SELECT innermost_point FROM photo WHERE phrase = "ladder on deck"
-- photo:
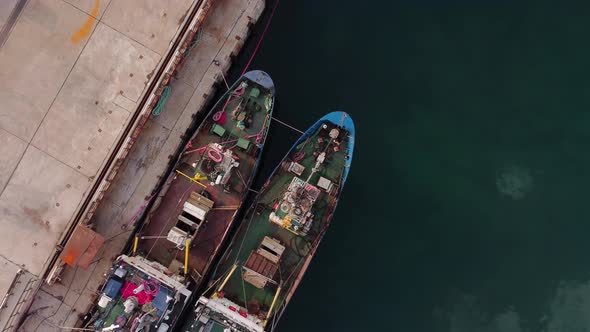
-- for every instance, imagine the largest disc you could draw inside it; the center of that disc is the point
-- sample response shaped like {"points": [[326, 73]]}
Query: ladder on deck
{"points": [[18, 306]]}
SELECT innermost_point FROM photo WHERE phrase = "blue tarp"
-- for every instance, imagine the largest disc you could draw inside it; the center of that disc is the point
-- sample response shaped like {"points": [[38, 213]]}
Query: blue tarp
{"points": [[113, 287], [160, 301]]}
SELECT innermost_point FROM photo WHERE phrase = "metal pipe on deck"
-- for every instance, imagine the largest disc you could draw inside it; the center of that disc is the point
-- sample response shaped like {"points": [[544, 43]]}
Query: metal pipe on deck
{"points": [[135, 242], [272, 306], [186, 250], [194, 179], [227, 278]]}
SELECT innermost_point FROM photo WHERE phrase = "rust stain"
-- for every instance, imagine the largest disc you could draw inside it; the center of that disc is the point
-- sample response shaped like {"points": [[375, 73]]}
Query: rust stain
{"points": [[36, 216], [86, 28]]}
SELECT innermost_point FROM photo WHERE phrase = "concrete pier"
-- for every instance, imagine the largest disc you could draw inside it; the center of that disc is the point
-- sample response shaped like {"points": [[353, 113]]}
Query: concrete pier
{"points": [[52, 156], [72, 72]]}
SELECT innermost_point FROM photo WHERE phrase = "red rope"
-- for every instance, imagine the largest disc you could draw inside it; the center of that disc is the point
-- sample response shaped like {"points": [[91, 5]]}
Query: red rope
{"points": [[261, 37]]}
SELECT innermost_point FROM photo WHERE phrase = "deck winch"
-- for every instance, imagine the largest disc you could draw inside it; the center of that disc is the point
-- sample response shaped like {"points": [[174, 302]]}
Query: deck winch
{"points": [[293, 212]]}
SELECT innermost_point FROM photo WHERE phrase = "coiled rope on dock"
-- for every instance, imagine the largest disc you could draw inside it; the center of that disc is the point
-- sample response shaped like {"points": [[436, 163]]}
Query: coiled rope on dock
{"points": [[194, 42], [162, 101]]}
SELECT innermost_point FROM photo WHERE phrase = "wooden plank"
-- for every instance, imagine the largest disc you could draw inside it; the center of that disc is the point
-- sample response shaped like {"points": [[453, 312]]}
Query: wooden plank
{"points": [[200, 200]]}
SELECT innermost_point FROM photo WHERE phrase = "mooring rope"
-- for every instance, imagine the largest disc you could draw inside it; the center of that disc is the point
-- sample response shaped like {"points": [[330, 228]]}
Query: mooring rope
{"points": [[261, 37], [162, 101]]}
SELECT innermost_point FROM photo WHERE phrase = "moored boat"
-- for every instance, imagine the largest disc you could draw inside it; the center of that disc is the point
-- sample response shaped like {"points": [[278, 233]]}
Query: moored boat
{"points": [[268, 256], [148, 289]]}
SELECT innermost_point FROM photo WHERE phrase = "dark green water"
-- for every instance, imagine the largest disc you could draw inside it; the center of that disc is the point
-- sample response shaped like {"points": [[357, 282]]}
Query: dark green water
{"points": [[466, 209]]}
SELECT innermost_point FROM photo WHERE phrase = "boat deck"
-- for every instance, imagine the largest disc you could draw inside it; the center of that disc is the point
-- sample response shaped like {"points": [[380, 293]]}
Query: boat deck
{"points": [[141, 290], [299, 246], [227, 199]]}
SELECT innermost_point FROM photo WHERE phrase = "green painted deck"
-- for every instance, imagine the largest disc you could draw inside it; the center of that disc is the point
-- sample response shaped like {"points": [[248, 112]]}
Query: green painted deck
{"points": [[242, 129], [256, 225]]}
